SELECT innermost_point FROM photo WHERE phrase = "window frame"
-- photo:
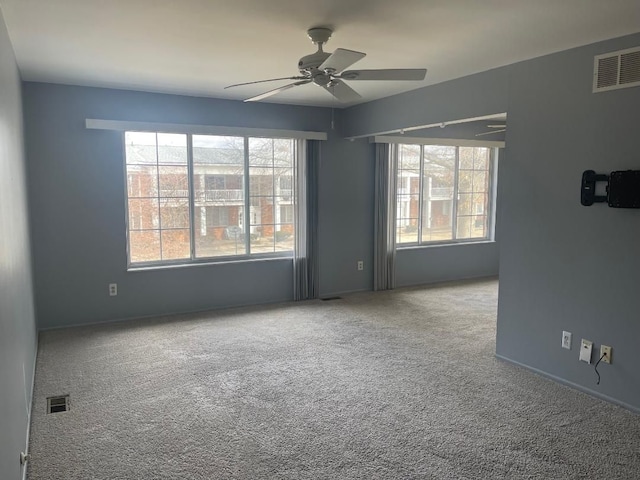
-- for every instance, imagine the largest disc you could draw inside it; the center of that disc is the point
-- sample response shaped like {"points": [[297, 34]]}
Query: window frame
{"points": [[193, 260], [491, 193]]}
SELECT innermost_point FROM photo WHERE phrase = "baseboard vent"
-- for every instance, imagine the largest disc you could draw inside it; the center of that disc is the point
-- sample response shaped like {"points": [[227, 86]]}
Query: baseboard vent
{"points": [[328, 299], [615, 70], [58, 404]]}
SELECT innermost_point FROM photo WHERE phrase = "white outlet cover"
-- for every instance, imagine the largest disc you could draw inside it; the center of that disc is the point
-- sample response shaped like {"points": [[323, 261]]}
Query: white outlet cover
{"points": [[566, 340], [585, 351]]}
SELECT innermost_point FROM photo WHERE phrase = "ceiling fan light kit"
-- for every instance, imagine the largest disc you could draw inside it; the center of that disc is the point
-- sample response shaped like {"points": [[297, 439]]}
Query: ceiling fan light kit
{"points": [[327, 70]]}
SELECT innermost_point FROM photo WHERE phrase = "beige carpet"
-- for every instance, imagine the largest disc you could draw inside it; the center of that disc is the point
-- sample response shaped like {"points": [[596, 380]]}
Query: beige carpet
{"points": [[400, 384]]}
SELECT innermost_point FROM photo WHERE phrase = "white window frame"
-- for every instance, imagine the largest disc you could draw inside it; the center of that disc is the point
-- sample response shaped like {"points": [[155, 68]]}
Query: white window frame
{"points": [[492, 188], [193, 259]]}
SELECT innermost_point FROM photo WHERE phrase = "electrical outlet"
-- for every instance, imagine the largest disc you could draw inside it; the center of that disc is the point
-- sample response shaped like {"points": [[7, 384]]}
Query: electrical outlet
{"points": [[113, 289], [605, 353], [360, 265], [566, 340], [585, 350]]}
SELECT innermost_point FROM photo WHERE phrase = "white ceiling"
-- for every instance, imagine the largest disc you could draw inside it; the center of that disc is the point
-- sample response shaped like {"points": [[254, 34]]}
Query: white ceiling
{"points": [[196, 47]]}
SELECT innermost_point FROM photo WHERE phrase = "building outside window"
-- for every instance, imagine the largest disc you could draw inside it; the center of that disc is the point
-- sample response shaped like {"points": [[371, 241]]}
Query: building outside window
{"points": [[194, 197], [444, 194]]}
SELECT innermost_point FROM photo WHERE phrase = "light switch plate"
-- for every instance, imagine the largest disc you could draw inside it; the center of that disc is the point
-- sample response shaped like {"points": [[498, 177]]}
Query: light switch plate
{"points": [[585, 350]]}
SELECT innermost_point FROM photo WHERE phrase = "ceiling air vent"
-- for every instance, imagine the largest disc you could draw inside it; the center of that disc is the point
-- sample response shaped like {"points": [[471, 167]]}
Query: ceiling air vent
{"points": [[617, 70]]}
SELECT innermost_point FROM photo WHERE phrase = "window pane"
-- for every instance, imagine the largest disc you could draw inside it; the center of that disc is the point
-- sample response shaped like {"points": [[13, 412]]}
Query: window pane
{"points": [[174, 213], [438, 183], [481, 158], [175, 244], [261, 152], [283, 150], [221, 242], [262, 238], [440, 162], [143, 214], [286, 213], [464, 228], [218, 150], [142, 181], [480, 202], [218, 183], [466, 157], [480, 183], [478, 226], [284, 237], [407, 230], [409, 157], [436, 221], [260, 181], [465, 181], [174, 182], [464, 204], [144, 246], [218, 230], [172, 149], [140, 148]]}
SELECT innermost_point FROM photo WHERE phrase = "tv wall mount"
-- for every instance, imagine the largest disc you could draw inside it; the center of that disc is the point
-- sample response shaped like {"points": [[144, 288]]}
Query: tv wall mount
{"points": [[622, 189]]}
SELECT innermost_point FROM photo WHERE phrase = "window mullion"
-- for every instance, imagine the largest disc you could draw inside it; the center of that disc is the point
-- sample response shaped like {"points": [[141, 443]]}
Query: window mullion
{"points": [[454, 203], [247, 201], [273, 191], [420, 194], [192, 203], [158, 197]]}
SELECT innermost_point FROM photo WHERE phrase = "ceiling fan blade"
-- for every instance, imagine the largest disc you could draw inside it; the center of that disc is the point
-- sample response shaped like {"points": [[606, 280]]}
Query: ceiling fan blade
{"points": [[385, 74], [263, 81], [277, 90], [496, 126], [341, 59], [342, 92], [490, 133]]}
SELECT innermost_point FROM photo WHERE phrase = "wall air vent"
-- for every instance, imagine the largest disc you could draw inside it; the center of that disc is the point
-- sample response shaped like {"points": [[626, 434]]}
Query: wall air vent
{"points": [[616, 70]]}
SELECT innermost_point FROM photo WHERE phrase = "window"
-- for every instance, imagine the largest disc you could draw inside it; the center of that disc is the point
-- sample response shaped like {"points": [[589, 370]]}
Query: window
{"points": [[444, 194], [286, 213], [198, 197]]}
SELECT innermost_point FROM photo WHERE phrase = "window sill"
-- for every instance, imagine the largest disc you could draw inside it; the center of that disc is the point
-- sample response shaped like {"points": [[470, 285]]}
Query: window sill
{"points": [[444, 244], [208, 263]]}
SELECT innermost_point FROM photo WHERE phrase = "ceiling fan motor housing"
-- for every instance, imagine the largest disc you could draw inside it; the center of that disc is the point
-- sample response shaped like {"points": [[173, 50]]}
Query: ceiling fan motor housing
{"points": [[309, 63]]}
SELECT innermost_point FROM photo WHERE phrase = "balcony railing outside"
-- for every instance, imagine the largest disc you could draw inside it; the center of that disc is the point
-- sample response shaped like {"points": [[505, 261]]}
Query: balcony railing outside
{"points": [[441, 192]]}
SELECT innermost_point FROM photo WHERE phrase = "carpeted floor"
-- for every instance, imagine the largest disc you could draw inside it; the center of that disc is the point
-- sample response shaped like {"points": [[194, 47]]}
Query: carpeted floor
{"points": [[400, 384]]}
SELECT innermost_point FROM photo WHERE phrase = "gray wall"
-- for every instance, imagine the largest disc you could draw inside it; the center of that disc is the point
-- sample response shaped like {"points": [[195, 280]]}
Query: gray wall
{"points": [[564, 266], [468, 97], [17, 324], [416, 266], [78, 210], [345, 223]]}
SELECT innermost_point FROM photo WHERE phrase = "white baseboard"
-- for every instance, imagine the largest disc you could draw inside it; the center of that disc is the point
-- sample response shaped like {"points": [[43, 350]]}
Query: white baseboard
{"points": [[30, 408], [576, 386]]}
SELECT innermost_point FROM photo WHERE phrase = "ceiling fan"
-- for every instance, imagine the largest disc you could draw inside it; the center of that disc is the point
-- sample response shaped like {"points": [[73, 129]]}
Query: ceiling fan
{"points": [[498, 129], [327, 70]]}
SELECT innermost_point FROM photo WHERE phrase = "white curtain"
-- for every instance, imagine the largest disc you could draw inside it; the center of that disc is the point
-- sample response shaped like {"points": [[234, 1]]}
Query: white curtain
{"points": [[384, 244], [305, 254]]}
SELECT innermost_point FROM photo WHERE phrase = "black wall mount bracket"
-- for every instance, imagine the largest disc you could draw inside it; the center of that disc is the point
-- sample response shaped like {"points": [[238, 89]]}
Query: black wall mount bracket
{"points": [[588, 192], [622, 188]]}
